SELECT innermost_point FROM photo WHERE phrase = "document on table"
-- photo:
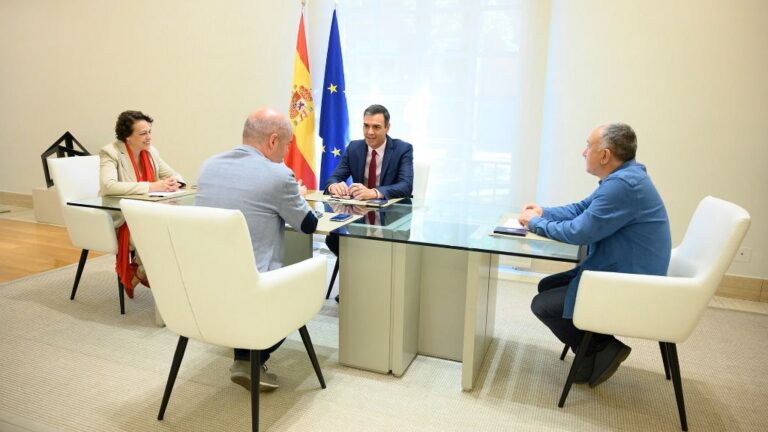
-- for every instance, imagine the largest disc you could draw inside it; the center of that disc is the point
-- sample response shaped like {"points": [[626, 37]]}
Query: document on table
{"points": [[511, 227], [167, 194], [510, 222], [325, 225], [159, 196], [319, 196]]}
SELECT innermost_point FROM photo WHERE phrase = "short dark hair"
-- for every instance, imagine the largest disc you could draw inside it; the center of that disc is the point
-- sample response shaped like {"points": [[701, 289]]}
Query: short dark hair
{"points": [[377, 109], [125, 121], [620, 138]]}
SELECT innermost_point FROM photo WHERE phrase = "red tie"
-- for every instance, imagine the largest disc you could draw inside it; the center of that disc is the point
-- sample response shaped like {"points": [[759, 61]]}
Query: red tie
{"points": [[372, 183], [372, 171]]}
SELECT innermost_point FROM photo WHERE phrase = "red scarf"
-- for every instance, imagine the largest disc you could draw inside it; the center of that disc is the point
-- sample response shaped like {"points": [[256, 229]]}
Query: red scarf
{"points": [[125, 268]]}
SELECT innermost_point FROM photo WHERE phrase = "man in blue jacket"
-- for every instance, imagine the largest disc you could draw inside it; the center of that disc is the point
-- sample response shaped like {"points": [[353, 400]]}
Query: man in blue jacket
{"points": [[380, 166], [625, 225]]}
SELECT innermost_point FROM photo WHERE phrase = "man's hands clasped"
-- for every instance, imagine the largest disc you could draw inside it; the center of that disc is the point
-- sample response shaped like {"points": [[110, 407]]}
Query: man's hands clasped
{"points": [[355, 190], [529, 211]]}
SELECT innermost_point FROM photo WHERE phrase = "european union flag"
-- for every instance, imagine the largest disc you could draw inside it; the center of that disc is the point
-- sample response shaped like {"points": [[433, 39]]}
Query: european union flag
{"points": [[334, 117]]}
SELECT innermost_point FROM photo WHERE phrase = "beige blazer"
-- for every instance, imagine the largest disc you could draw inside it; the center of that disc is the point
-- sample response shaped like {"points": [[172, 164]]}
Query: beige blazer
{"points": [[118, 176]]}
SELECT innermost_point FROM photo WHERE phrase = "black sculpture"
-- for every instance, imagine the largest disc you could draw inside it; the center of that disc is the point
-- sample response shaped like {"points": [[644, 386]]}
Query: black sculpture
{"points": [[63, 147]]}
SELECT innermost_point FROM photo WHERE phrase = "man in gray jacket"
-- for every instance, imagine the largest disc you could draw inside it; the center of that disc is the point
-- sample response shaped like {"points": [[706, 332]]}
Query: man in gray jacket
{"points": [[252, 178]]}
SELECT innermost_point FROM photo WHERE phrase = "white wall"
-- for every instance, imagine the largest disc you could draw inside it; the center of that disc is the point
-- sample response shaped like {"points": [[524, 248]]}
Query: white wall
{"points": [[197, 67], [690, 77]]}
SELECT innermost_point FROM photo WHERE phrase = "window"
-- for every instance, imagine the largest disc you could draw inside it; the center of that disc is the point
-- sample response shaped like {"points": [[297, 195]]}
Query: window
{"points": [[455, 78]]}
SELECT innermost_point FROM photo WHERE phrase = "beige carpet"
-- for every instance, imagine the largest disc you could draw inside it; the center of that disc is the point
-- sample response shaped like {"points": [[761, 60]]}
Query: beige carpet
{"points": [[80, 366]]}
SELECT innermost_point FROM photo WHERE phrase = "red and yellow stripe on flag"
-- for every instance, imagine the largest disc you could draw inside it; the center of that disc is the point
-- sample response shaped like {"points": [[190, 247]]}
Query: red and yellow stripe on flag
{"points": [[301, 153]]}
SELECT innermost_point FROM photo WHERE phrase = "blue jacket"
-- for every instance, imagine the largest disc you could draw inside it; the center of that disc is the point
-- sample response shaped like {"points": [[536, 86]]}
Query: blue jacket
{"points": [[624, 222], [396, 169]]}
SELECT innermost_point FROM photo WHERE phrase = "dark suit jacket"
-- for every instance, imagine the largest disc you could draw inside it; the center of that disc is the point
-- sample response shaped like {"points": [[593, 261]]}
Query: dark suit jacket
{"points": [[396, 169]]}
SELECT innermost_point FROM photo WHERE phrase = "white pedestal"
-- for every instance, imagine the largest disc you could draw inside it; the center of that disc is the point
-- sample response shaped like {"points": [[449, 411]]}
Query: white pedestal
{"points": [[47, 206], [415, 300]]}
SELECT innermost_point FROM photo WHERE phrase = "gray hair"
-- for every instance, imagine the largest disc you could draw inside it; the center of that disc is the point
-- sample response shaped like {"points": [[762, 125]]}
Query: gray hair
{"points": [[621, 140], [258, 128]]}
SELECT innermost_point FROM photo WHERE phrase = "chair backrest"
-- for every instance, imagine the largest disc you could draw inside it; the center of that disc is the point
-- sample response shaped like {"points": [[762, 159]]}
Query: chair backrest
{"points": [[666, 308], [421, 170], [205, 281], [78, 178], [75, 177], [710, 244]]}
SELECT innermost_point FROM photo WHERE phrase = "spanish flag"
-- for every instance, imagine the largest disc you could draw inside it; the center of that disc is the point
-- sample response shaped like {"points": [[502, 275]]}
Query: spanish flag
{"points": [[301, 153]]}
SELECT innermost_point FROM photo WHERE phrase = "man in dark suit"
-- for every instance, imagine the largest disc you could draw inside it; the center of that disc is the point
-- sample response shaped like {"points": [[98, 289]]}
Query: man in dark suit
{"points": [[380, 166]]}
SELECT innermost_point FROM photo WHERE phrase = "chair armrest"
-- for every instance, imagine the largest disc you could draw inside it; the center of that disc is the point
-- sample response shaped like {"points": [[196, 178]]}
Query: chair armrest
{"points": [[651, 307], [91, 229], [295, 293]]}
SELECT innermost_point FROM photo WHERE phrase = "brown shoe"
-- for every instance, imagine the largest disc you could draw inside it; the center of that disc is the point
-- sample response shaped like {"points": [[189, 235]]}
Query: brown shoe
{"points": [[141, 277]]}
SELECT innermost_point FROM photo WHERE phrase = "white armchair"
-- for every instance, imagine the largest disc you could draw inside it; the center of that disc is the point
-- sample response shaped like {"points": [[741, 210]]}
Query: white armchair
{"points": [[89, 229], [207, 287], [421, 169], [663, 308]]}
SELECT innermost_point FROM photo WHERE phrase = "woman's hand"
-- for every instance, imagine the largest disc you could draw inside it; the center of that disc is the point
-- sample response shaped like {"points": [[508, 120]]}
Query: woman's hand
{"points": [[165, 185]]}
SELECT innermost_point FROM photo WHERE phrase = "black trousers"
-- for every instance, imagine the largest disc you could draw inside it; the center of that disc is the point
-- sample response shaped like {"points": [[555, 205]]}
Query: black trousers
{"points": [[548, 307], [332, 241], [244, 354]]}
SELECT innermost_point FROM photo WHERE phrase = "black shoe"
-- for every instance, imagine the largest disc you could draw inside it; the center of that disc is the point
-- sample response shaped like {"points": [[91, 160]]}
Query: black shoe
{"points": [[607, 362], [584, 372], [337, 298]]}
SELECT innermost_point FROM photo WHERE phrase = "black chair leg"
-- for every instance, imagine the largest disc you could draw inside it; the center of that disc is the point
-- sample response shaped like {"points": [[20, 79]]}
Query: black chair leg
{"points": [[177, 356], [333, 279], [121, 295], [581, 352], [80, 266], [565, 352], [312, 356], [255, 379], [665, 358], [674, 367]]}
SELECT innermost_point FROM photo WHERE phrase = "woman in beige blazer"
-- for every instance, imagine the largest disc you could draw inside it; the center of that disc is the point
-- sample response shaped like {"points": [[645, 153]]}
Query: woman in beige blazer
{"points": [[118, 175], [130, 166]]}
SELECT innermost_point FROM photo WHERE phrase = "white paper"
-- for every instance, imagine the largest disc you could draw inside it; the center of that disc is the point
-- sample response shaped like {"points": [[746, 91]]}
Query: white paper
{"points": [[512, 223], [166, 194]]}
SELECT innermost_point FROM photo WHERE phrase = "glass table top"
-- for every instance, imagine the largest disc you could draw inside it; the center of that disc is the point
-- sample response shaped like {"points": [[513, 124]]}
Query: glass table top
{"points": [[456, 225], [431, 222], [113, 202]]}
